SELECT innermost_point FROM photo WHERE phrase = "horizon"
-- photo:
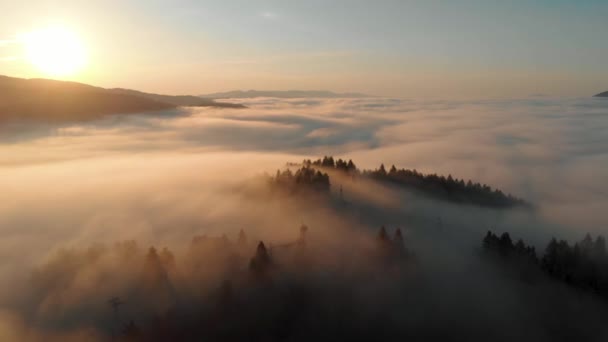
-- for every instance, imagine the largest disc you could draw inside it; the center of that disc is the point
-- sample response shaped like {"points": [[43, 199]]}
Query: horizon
{"points": [[417, 49], [430, 98]]}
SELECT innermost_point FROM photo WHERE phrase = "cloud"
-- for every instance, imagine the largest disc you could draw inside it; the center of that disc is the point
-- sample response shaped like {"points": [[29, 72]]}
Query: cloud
{"points": [[526, 147], [161, 179]]}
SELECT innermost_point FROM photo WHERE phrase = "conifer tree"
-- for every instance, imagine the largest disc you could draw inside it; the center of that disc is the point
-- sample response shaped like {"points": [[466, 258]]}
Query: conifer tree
{"points": [[260, 263], [399, 243]]}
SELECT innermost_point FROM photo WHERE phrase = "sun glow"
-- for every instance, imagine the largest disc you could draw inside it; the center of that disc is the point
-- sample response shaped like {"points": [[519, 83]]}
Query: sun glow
{"points": [[55, 51]]}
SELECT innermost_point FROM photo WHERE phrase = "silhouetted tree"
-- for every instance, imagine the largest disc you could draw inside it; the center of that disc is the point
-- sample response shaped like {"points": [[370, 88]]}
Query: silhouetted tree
{"points": [[260, 264], [382, 235], [153, 268], [351, 166], [549, 260], [302, 238], [399, 243], [599, 248], [490, 242], [155, 282], [505, 244], [504, 247], [520, 247], [383, 241], [382, 171], [341, 165], [328, 162], [586, 245]]}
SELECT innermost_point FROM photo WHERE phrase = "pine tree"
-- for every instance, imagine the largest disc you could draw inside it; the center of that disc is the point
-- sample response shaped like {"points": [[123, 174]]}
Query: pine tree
{"points": [[587, 245], [520, 247], [489, 242], [302, 238], [351, 166], [549, 260], [153, 268], [505, 244], [399, 243], [261, 262], [382, 235], [599, 248], [382, 170]]}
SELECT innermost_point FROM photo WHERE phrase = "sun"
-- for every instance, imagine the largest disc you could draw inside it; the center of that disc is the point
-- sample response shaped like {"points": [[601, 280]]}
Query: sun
{"points": [[55, 51]]}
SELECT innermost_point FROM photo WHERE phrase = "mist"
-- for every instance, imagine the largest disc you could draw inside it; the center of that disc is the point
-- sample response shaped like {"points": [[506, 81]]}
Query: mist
{"points": [[73, 194]]}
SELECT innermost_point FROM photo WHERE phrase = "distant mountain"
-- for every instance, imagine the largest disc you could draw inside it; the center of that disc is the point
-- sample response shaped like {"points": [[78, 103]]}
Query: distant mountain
{"points": [[604, 94], [178, 100], [56, 101], [244, 94]]}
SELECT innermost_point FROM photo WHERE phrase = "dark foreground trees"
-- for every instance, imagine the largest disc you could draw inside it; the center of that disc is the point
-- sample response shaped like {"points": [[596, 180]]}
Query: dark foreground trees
{"points": [[234, 291], [583, 265], [392, 249]]}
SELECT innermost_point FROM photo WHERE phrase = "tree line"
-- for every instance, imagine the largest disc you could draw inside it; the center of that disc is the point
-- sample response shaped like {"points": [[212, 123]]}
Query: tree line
{"points": [[583, 264], [221, 315], [439, 186], [303, 179]]}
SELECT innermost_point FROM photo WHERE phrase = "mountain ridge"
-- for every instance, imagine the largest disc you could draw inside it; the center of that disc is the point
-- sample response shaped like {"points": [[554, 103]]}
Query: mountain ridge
{"points": [[242, 94], [178, 100], [46, 100]]}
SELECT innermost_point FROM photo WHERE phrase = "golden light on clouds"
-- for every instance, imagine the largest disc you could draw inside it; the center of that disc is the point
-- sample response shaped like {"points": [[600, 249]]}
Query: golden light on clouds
{"points": [[55, 51]]}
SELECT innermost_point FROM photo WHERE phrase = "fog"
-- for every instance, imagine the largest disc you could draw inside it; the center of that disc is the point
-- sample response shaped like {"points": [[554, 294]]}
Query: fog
{"points": [[163, 178]]}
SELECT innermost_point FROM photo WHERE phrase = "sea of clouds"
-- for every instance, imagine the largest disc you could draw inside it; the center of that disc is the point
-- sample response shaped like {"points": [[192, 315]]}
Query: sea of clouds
{"points": [[162, 178], [549, 151]]}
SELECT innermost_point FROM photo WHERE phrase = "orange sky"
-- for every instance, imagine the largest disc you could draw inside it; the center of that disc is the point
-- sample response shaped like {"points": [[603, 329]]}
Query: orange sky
{"points": [[414, 49]]}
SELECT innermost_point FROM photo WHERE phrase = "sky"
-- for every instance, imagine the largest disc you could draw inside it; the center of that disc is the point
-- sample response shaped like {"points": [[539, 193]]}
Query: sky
{"points": [[412, 49]]}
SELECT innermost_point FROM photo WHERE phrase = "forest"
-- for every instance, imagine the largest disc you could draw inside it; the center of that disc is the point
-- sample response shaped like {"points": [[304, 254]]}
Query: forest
{"points": [[437, 186], [304, 179], [294, 275], [229, 290], [225, 289], [583, 265]]}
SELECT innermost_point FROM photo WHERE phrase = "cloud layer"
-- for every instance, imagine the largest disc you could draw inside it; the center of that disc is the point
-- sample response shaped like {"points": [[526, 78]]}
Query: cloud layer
{"points": [[163, 178], [549, 151]]}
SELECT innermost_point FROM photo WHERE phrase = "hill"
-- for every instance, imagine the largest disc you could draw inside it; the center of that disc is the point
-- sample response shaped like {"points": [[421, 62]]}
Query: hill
{"points": [[178, 100], [58, 101], [286, 94], [439, 187], [604, 94]]}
